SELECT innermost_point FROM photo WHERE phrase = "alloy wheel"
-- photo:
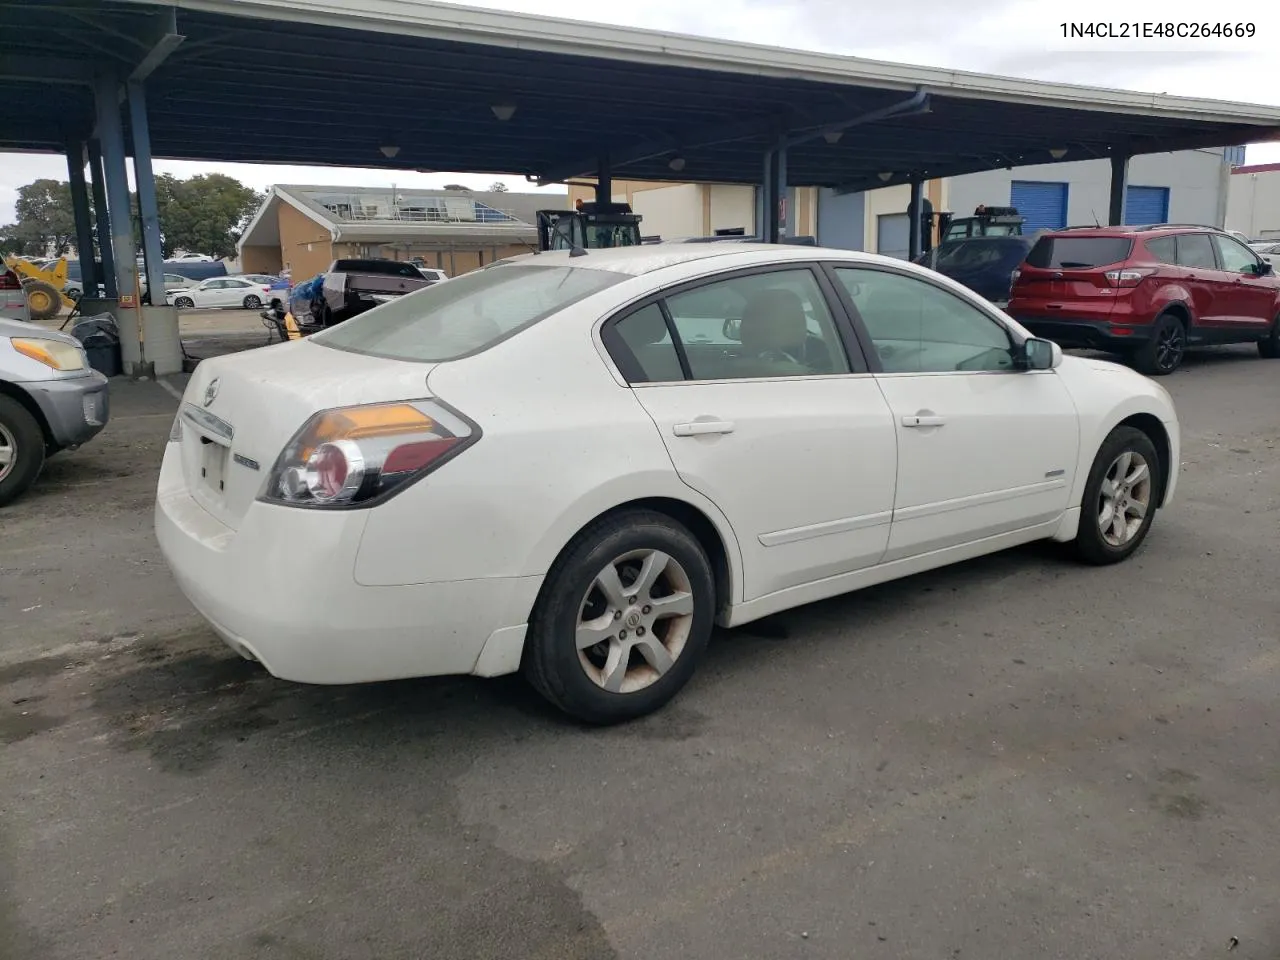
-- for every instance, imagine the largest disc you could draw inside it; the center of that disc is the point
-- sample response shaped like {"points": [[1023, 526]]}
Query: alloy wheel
{"points": [[1171, 343], [634, 621], [1125, 498], [8, 451]]}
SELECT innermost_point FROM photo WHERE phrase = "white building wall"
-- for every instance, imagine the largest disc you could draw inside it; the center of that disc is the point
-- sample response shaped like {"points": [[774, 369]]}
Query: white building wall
{"points": [[1253, 204], [732, 205], [886, 200], [1195, 179], [670, 212]]}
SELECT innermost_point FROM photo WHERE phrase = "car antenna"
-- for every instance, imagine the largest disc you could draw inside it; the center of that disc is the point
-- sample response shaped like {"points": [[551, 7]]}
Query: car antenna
{"points": [[577, 251], [1095, 218]]}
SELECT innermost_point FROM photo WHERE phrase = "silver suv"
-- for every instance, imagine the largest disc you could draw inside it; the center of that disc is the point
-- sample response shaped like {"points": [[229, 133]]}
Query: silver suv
{"points": [[50, 398]]}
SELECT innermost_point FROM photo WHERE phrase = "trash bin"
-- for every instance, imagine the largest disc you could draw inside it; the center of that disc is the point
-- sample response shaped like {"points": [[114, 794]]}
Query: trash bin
{"points": [[100, 337]]}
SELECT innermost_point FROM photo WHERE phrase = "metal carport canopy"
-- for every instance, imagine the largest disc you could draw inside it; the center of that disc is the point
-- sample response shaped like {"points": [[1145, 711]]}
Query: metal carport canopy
{"points": [[332, 81]]}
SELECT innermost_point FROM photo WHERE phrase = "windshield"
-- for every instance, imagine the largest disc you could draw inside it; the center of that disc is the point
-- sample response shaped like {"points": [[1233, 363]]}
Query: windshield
{"points": [[445, 321], [1078, 253]]}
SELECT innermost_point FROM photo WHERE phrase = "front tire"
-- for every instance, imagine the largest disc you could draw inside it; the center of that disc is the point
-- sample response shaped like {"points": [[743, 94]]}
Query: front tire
{"points": [[21, 450], [1120, 497], [252, 303], [623, 618], [1164, 352], [184, 303], [1270, 347]]}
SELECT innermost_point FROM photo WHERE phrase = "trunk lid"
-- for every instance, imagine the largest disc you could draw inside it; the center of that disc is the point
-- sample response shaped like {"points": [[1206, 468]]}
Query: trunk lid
{"points": [[240, 411]]}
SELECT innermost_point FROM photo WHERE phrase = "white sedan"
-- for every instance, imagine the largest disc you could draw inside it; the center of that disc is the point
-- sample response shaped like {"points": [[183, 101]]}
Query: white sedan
{"points": [[575, 466], [1268, 250], [221, 292]]}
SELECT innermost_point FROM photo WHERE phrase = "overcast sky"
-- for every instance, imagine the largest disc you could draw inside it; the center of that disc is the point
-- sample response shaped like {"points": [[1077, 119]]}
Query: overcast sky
{"points": [[1020, 38]]}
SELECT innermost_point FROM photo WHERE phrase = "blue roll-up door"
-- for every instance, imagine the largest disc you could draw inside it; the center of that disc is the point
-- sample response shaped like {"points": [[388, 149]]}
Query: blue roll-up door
{"points": [[1043, 205], [1146, 205]]}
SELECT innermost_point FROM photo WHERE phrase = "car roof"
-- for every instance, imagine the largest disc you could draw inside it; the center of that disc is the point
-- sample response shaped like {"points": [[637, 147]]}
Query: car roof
{"points": [[1130, 232], [647, 258]]}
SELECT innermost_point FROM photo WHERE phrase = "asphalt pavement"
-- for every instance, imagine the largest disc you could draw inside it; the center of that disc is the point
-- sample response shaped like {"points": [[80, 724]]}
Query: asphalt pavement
{"points": [[1018, 757]]}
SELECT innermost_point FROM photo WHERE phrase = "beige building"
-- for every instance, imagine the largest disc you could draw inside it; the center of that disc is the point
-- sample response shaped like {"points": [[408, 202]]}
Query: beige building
{"points": [[674, 211], [301, 229]]}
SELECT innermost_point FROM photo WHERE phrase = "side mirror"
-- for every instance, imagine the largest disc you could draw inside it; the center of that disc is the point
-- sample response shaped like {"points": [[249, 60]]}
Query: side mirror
{"points": [[1040, 354], [732, 329], [1263, 269]]}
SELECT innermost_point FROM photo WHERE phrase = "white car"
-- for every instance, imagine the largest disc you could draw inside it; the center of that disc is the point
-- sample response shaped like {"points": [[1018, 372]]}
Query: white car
{"points": [[221, 292], [192, 258], [1268, 250], [433, 274], [574, 466]]}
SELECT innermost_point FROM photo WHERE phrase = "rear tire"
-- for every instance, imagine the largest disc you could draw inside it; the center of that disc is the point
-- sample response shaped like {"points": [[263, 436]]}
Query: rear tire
{"points": [[21, 450], [252, 303], [1120, 497], [184, 303], [1270, 347], [1164, 352], [43, 300], [640, 586]]}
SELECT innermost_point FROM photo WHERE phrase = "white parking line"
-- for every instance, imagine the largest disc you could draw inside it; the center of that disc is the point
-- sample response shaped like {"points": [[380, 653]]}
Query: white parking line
{"points": [[169, 388]]}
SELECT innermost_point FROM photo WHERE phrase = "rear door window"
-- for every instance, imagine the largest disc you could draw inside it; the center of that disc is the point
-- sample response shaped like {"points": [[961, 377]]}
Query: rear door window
{"points": [[1078, 253], [647, 353], [773, 324], [1196, 250], [1164, 249], [446, 321]]}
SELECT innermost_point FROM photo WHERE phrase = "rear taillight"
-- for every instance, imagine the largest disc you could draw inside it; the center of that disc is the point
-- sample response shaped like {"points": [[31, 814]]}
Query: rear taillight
{"points": [[1128, 276], [8, 281], [356, 456]]}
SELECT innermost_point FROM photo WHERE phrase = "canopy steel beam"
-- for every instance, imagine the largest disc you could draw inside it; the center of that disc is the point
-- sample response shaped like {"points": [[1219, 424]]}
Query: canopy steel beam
{"points": [[727, 133], [163, 40]]}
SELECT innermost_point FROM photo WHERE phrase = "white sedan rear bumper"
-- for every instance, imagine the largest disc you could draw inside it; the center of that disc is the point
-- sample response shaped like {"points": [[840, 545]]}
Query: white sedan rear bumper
{"points": [[281, 589]]}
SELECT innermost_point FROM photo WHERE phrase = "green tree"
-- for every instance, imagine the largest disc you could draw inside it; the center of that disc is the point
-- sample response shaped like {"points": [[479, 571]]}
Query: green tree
{"points": [[204, 214], [45, 217]]}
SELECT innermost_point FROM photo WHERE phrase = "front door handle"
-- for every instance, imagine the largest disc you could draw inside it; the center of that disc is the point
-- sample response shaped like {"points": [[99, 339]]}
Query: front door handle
{"points": [[916, 420], [700, 428]]}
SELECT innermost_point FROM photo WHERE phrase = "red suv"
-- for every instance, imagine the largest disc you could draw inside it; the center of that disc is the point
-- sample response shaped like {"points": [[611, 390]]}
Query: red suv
{"points": [[1147, 293]]}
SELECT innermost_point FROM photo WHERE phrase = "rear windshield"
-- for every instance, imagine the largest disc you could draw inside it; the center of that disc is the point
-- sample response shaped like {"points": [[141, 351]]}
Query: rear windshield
{"points": [[979, 253], [445, 321], [390, 267], [1078, 253]]}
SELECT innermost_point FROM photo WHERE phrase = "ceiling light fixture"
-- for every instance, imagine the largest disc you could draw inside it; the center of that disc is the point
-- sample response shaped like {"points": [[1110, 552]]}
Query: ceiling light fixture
{"points": [[390, 151], [833, 136], [886, 176], [1058, 152], [676, 163], [504, 111]]}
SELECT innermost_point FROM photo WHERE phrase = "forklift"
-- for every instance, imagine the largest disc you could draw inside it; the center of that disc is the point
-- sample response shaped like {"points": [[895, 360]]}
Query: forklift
{"points": [[985, 222], [590, 226]]}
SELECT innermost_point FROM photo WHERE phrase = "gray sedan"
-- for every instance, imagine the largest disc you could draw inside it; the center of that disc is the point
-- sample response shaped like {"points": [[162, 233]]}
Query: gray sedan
{"points": [[50, 400]]}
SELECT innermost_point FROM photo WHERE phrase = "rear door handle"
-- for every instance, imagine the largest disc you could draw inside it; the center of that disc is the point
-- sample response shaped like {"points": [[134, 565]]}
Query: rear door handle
{"points": [[699, 428], [918, 421]]}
